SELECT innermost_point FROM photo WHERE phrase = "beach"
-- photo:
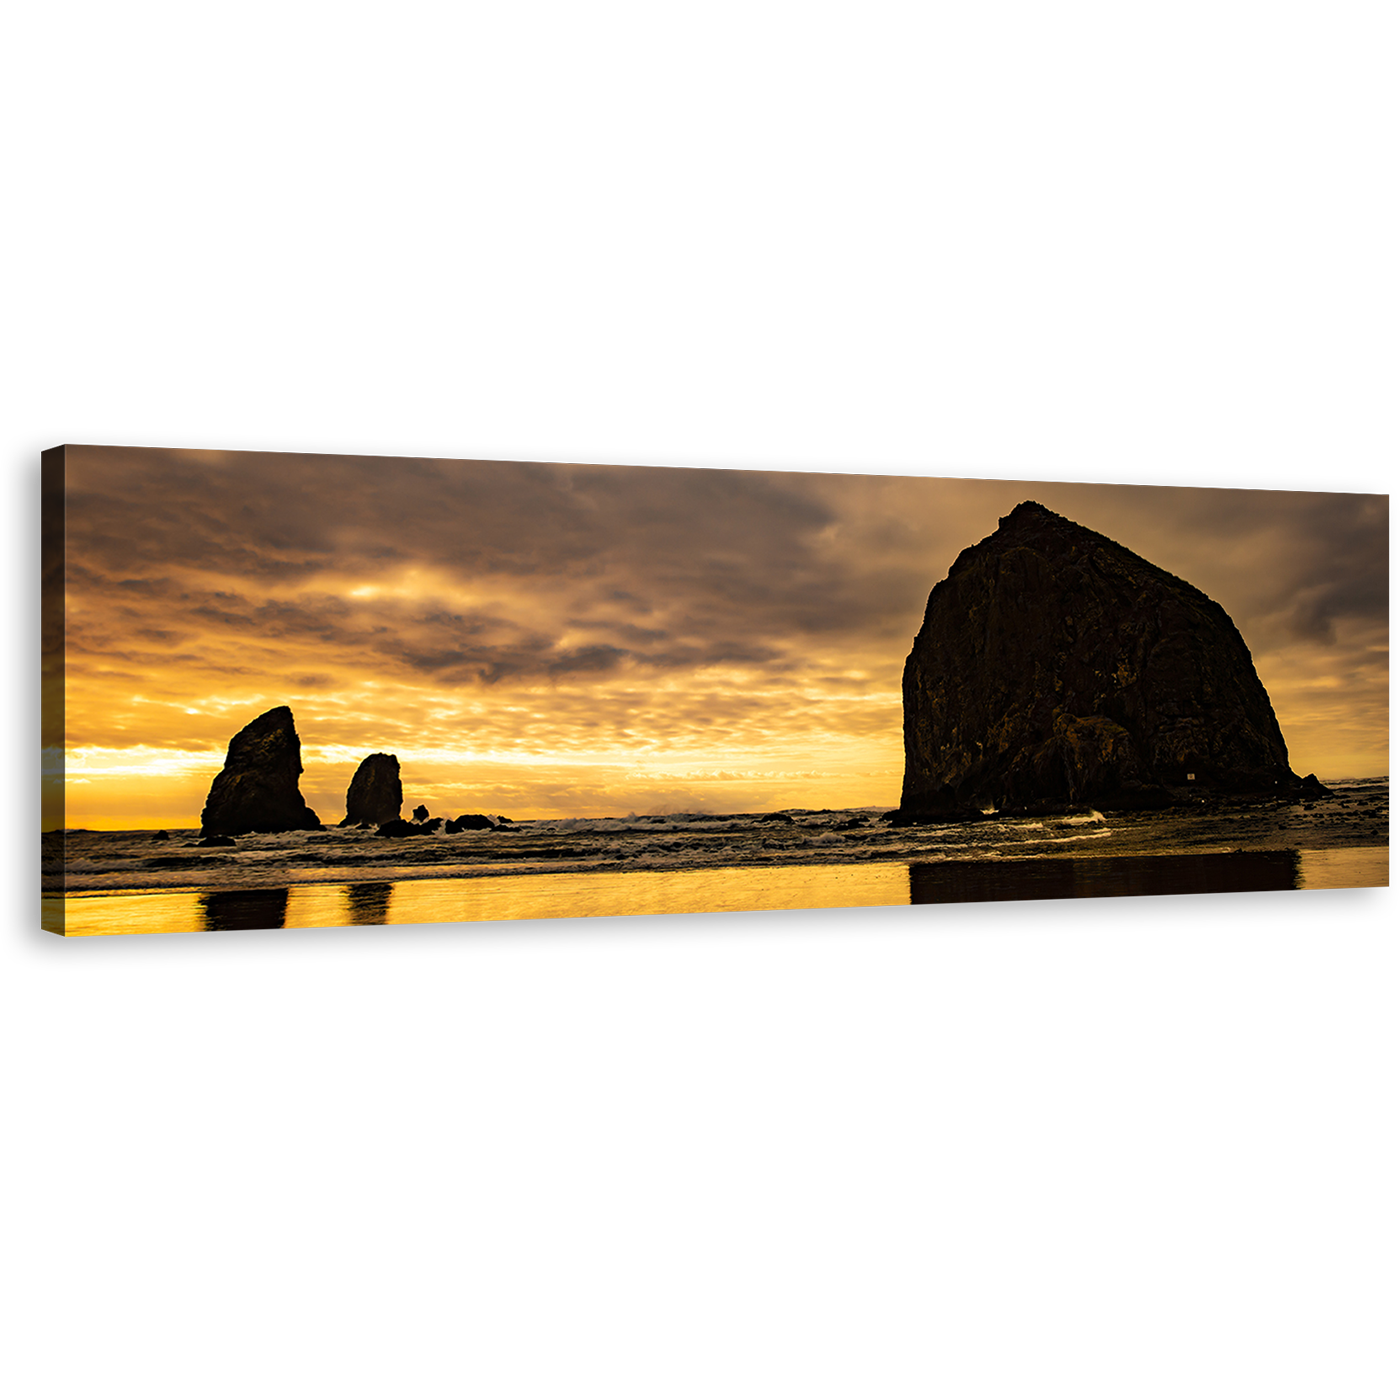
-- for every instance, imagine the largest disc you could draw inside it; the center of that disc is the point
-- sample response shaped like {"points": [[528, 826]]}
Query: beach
{"points": [[140, 882]]}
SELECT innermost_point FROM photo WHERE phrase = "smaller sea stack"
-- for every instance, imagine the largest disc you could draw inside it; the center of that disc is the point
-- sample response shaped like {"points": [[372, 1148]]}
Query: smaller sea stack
{"points": [[375, 795]]}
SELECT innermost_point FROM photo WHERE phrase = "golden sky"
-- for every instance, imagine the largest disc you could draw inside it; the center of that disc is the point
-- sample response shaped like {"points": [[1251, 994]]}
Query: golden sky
{"points": [[555, 640]]}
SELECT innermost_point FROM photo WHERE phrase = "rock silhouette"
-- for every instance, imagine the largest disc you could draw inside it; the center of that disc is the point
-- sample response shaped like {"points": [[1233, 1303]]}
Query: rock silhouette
{"points": [[399, 827], [1055, 667], [375, 795], [257, 789]]}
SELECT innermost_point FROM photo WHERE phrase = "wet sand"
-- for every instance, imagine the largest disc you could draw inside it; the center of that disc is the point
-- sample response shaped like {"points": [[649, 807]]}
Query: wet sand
{"points": [[605, 894]]}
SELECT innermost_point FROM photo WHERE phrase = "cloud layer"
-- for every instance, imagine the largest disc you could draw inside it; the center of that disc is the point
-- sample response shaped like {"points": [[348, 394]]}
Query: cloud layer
{"points": [[575, 639]]}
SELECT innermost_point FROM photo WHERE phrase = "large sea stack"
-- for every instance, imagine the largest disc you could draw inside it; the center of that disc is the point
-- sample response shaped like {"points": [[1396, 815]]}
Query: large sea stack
{"points": [[375, 795], [1054, 667], [257, 790]]}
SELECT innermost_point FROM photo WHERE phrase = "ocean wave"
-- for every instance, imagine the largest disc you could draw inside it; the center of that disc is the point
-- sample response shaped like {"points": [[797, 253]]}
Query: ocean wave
{"points": [[137, 860], [1081, 836]]}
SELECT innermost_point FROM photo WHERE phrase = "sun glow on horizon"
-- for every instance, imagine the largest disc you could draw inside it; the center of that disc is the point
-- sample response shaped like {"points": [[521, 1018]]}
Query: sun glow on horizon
{"points": [[139, 761]]}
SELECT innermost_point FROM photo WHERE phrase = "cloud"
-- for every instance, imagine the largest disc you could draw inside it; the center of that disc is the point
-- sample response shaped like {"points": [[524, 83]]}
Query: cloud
{"points": [[538, 609]]}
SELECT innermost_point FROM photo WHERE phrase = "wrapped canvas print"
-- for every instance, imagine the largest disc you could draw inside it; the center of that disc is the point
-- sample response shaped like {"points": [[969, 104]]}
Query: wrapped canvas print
{"points": [[291, 690]]}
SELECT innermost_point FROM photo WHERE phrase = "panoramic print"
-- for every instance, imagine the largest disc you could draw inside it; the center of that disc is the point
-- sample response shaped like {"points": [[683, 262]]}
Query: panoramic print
{"points": [[285, 690]]}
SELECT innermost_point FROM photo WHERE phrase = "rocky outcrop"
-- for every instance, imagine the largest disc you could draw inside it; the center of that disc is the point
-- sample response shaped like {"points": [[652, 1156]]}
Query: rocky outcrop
{"points": [[375, 795], [472, 821], [399, 827], [1055, 667], [257, 789], [420, 813]]}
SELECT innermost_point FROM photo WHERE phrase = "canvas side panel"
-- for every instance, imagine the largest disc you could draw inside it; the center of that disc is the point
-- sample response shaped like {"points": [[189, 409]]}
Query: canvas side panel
{"points": [[53, 495]]}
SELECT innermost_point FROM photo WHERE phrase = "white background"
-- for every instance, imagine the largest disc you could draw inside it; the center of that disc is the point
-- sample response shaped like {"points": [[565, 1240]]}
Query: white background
{"points": [[1161, 233], [1152, 1169]]}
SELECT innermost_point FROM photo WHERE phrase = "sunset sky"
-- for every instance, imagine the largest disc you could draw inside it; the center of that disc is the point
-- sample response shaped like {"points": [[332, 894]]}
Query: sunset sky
{"points": [[555, 640]]}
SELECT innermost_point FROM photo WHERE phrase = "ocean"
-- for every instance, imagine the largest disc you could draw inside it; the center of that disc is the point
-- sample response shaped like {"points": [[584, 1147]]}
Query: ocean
{"points": [[110, 882]]}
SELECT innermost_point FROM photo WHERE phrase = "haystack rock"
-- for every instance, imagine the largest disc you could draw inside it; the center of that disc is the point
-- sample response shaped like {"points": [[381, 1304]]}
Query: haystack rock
{"points": [[375, 795], [1054, 667], [257, 790]]}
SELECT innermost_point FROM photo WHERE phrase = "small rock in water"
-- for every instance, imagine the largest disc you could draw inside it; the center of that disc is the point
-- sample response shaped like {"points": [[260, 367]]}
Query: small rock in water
{"points": [[420, 813]]}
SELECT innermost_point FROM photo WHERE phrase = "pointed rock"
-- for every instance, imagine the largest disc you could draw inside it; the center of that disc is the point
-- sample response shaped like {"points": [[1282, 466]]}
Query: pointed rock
{"points": [[257, 789], [1056, 667], [375, 795]]}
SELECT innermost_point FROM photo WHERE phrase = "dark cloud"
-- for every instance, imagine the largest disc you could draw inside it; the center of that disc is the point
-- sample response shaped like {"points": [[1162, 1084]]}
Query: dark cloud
{"points": [[1313, 621], [447, 661], [637, 636], [222, 617], [586, 660]]}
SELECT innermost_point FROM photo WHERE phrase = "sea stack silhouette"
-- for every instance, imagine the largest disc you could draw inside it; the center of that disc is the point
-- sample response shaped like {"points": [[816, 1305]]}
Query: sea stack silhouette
{"points": [[1055, 668], [375, 795], [257, 789]]}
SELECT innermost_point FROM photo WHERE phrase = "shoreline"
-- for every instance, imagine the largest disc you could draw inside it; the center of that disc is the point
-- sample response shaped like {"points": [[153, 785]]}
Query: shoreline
{"points": [[465, 898]]}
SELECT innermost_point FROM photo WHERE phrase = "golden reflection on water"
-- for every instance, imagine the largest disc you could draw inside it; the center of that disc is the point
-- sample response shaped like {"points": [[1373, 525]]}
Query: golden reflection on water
{"points": [[556, 896], [651, 892], [603, 893], [1346, 868], [80, 916]]}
